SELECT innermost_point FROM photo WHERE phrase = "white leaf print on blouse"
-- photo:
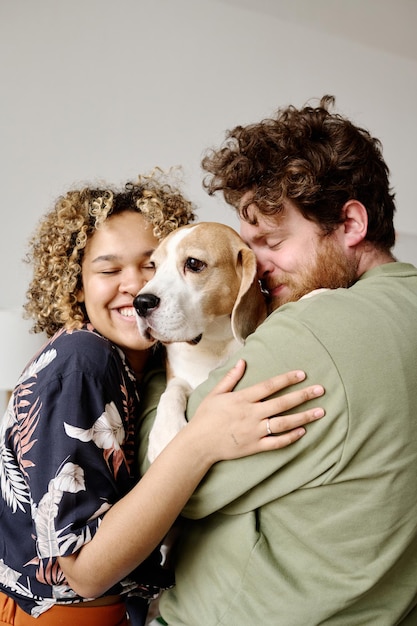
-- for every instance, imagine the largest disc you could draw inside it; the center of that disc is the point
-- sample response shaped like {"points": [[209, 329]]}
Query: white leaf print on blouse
{"points": [[69, 479], [107, 431], [13, 486], [9, 578], [34, 368], [38, 365]]}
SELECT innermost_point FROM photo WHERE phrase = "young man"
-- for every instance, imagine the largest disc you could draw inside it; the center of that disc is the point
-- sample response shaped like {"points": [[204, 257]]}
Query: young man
{"points": [[324, 531]]}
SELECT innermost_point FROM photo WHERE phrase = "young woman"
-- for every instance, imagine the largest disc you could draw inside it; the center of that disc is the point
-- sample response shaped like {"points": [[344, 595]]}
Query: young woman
{"points": [[75, 523]]}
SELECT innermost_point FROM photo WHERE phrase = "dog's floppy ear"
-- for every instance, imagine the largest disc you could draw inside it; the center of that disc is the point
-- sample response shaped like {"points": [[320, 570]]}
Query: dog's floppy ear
{"points": [[250, 306]]}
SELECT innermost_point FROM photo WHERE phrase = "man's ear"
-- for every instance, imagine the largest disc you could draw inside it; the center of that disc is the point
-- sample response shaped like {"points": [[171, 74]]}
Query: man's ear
{"points": [[355, 223]]}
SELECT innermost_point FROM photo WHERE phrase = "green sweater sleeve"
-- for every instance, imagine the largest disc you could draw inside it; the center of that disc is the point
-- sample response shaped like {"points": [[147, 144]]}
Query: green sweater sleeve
{"points": [[248, 483], [153, 386]]}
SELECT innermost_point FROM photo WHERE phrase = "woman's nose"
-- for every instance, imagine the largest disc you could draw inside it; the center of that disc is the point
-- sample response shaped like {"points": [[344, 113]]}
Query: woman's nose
{"points": [[133, 282]]}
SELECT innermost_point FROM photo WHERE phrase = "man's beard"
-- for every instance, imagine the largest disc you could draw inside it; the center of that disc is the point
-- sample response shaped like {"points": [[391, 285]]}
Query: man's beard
{"points": [[329, 269]]}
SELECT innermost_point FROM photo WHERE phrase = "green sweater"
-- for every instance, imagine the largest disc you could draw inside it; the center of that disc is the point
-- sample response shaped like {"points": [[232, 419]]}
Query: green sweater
{"points": [[325, 530]]}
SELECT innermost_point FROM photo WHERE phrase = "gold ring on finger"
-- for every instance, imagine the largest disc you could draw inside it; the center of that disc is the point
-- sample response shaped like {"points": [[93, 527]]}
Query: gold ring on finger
{"points": [[268, 427]]}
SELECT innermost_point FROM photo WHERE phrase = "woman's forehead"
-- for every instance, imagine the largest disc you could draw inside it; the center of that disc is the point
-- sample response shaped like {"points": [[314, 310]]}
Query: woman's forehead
{"points": [[127, 230]]}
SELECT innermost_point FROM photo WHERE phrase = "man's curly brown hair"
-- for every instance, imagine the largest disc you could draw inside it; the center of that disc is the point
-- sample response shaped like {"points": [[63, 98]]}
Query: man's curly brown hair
{"points": [[317, 159], [56, 248]]}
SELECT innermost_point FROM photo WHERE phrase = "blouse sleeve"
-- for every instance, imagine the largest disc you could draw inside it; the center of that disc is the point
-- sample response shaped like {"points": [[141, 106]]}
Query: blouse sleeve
{"points": [[77, 427]]}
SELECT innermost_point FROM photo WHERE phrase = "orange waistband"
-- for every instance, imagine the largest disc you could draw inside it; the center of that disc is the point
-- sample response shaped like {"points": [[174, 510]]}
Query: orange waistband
{"points": [[63, 615]]}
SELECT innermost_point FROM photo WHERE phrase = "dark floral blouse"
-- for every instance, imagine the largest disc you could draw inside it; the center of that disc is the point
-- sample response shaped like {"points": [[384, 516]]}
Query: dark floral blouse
{"points": [[66, 455]]}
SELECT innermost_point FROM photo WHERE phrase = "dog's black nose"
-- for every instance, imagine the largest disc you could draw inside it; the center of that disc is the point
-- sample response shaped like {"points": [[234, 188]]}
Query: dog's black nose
{"points": [[145, 302]]}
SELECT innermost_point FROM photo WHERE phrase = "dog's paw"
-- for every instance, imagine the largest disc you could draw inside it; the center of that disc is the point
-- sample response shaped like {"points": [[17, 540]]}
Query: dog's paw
{"points": [[170, 416], [161, 435]]}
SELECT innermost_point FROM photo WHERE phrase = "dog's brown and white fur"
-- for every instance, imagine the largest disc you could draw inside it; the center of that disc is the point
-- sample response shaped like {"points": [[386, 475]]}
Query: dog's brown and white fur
{"points": [[202, 303]]}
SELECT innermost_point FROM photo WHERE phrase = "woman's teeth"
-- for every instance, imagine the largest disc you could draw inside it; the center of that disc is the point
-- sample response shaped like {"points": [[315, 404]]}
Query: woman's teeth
{"points": [[127, 312]]}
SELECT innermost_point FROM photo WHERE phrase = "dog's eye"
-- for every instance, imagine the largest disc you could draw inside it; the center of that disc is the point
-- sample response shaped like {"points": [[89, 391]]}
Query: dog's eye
{"points": [[194, 265]]}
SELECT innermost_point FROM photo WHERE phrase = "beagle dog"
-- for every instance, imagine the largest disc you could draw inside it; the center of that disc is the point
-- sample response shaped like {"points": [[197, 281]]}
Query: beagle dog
{"points": [[202, 303]]}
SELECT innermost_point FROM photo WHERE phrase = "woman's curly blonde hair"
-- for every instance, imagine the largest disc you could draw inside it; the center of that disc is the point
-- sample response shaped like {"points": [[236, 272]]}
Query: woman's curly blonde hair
{"points": [[56, 248]]}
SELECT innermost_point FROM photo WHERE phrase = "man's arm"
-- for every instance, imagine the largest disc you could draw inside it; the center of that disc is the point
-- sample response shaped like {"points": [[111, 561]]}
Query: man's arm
{"points": [[247, 483]]}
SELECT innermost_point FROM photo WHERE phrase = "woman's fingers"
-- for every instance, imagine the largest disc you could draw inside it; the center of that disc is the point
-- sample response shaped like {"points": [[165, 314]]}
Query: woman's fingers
{"points": [[270, 386], [280, 441], [239, 422], [278, 424], [261, 390], [284, 403], [230, 380]]}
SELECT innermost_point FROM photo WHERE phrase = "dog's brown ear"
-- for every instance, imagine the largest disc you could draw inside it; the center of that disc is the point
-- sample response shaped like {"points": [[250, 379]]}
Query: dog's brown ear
{"points": [[250, 306]]}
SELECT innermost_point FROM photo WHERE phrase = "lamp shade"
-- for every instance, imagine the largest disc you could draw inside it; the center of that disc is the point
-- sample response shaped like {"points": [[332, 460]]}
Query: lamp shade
{"points": [[17, 346]]}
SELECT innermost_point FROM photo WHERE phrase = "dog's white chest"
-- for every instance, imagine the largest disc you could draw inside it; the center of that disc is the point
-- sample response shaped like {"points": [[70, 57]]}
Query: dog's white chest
{"points": [[194, 363]]}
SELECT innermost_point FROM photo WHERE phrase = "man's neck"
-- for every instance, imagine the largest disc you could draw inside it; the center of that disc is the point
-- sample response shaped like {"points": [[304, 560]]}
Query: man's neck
{"points": [[372, 257]]}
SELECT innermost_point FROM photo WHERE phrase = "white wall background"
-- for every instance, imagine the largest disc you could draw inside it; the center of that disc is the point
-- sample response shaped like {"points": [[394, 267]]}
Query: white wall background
{"points": [[102, 90]]}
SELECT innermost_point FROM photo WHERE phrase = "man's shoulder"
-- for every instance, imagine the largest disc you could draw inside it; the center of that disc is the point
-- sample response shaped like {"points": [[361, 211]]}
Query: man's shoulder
{"points": [[311, 305]]}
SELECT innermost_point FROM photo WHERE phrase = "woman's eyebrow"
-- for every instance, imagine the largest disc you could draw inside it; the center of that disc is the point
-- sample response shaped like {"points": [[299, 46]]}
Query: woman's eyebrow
{"points": [[117, 257], [106, 257]]}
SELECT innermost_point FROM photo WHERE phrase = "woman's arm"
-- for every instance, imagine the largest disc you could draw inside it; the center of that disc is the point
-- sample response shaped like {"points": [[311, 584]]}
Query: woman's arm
{"points": [[227, 425]]}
